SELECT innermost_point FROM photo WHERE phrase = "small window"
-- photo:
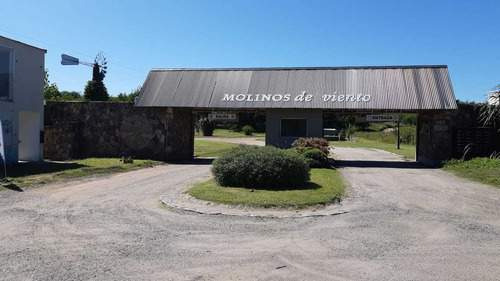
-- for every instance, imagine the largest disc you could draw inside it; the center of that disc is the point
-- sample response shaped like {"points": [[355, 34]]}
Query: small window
{"points": [[293, 127], [5, 73]]}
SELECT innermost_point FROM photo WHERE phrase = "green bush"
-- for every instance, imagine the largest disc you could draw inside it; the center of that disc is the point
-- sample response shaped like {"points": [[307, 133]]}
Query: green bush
{"points": [[260, 167], [207, 126], [315, 158], [248, 130], [409, 119], [407, 134], [302, 144], [235, 128]]}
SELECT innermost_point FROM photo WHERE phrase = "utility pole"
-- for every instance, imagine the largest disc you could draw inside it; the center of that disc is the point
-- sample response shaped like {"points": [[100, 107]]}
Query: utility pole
{"points": [[399, 140]]}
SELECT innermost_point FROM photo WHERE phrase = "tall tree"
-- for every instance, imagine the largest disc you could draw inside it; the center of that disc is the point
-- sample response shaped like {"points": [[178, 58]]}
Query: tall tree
{"points": [[50, 90], [95, 90]]}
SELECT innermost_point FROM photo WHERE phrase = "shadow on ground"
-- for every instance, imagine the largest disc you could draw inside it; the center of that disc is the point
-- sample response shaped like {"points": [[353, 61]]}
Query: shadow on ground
{"points": [[11, 186], [36, 168], [197, 161], [380, 164]]}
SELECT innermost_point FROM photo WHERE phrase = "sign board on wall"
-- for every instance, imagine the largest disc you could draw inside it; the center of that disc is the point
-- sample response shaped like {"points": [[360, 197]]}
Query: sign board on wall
{"points": [[382, 118], [222, 116]]}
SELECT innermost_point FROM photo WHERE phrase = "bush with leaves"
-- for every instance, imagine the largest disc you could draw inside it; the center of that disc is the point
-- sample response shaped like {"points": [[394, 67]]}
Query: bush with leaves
{"points": [[320, 143], [315, 158], [261, 167], [207, 126], [248, 130], [235, 128], [407, 135]]}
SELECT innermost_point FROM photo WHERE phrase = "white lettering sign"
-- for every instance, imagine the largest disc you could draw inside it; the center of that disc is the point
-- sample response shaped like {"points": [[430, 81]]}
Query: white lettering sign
{"points": [[382, 118], [222, 116], [302, 97]]}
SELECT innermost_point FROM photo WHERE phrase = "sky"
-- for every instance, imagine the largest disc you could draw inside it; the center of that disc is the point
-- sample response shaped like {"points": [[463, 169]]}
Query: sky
{"points": [[137, 36]]}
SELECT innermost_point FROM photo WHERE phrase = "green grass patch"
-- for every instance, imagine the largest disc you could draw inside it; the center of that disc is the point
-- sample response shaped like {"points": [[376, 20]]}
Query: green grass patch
{"points": [[35, 173], [407, 151], [325, 186], [484, 170], [207, 148], [225, 133]]}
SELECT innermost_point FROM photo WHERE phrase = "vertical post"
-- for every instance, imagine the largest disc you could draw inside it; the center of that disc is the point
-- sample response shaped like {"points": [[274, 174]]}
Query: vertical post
{"points": [[4, 167], [399, 140], [2, 150]]}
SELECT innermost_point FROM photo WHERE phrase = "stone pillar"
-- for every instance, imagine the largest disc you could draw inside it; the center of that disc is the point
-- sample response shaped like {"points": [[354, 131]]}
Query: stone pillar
{"points": [[179, 134], [434, 137]]}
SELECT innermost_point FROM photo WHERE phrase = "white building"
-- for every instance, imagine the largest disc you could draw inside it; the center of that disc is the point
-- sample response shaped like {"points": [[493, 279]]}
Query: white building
{"points": [[21, 99]]}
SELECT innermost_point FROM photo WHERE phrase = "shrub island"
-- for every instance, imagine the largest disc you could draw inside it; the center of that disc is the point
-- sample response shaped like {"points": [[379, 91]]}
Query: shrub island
{"points": [[271, 177]]}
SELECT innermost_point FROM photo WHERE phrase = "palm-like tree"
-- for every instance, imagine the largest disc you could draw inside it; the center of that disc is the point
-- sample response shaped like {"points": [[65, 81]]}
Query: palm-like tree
{"points": [[490, 112]]}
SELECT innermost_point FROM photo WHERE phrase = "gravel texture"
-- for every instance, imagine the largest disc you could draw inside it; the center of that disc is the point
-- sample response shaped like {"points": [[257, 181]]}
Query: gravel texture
{"points": [[246, 140], [405, 223]]}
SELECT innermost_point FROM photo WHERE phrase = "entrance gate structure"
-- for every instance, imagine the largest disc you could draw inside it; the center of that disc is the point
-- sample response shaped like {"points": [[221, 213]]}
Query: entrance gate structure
{"points": [[295, 99]]}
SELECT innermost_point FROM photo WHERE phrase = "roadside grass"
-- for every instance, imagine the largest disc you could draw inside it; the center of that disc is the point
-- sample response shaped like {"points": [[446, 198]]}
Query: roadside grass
{"points": [[326, 186], [407, 151], [29, 174], [481, 169], [225, 133], [207, 148]]}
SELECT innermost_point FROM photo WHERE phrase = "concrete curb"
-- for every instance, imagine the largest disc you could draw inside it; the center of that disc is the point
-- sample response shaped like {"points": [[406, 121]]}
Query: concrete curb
{"points": [[187, 203]]}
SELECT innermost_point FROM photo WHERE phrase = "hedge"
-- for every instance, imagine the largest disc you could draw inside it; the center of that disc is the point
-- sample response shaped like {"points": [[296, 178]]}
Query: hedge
{"points": [[261, 167]]}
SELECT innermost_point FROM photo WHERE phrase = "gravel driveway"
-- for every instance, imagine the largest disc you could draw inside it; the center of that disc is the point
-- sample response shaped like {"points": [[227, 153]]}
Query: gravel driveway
{"points": [[405, 223], [246, 140]]}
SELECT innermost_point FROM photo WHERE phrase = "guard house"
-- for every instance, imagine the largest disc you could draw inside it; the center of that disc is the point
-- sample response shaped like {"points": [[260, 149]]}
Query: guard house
{"points": [[21, 100], [296, 99]]}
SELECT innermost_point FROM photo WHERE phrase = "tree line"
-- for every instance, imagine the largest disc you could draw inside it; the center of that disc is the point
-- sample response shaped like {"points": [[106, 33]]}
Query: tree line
{"points": [[52, 93], [95, 90]]}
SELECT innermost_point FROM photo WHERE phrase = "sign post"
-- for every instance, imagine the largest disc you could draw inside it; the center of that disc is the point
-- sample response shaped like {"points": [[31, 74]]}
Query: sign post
{"points": [[2, 151], [399, 140]]}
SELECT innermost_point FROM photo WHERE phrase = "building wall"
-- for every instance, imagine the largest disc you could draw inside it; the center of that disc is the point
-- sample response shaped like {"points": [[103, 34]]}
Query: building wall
{"points": [[26, 97], [273, 125], [106, 129]]}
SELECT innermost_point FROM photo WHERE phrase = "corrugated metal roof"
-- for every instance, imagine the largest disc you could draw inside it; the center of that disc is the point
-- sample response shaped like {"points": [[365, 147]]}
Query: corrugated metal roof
{"points": [[22, 43], [416, 88]]}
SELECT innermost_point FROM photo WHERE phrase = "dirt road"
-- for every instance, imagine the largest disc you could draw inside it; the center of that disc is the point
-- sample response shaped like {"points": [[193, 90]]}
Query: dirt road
{"points": [[404, 223], [246, 140]]}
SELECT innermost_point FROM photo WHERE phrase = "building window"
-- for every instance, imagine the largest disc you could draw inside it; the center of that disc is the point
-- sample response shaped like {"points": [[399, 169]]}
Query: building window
{"points": [[5, 73], [293, 127]]}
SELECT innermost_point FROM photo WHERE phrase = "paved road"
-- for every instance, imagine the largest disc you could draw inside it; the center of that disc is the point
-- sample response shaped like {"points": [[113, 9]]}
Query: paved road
{"points": [[244, 140], [405, 223]]}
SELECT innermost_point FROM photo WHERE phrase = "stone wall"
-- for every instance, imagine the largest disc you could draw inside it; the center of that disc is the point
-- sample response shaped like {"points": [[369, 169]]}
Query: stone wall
{"points": [[434, 137], [106, 129], [454, 134]]}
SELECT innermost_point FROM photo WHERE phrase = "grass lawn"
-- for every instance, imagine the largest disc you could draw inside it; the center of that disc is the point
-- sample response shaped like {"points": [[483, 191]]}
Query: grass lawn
{"points": [[408, 151], [35, 173], [207, 148], [225, 133], [484, 170], [326, 186]]}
